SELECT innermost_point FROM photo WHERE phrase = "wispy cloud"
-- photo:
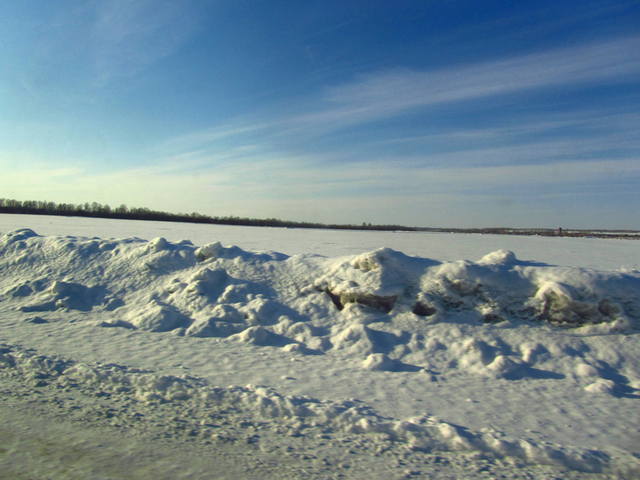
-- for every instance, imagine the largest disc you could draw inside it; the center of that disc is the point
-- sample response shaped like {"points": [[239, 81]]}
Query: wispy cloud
{"points": [[209, 136], [392, 93], [543, 141], [129, 35], [471, 150], [389, 93], [595, 123]]}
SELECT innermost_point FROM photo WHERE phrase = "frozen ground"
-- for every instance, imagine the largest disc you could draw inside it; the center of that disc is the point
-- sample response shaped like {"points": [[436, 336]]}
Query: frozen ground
{"points": [[334, 359]]}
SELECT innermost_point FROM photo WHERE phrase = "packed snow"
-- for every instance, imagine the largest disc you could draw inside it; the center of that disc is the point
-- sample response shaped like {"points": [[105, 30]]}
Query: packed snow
{"points": [[418, 366]]}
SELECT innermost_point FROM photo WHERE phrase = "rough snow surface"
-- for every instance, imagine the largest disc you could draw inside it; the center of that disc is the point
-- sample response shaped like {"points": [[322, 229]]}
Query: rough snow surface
{"points": [[502, 357]]}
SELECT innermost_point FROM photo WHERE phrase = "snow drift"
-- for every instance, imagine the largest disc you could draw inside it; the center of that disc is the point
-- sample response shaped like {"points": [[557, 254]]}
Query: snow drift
{"points": [[293, 414]]}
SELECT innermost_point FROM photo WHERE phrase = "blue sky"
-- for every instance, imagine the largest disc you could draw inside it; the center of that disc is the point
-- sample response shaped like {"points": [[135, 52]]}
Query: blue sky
{"points": [[429, 113]]}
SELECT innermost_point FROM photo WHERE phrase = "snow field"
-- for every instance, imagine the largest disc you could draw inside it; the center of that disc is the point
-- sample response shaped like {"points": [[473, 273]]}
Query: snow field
{"points": [[498, 319]]}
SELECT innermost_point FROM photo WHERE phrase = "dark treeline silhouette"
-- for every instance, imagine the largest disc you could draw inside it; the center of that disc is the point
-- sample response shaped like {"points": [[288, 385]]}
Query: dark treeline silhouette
{"points": [[97, 210]]}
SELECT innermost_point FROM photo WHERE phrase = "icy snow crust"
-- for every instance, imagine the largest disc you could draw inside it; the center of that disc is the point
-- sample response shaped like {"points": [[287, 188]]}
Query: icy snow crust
{"points": [[380, 310]]}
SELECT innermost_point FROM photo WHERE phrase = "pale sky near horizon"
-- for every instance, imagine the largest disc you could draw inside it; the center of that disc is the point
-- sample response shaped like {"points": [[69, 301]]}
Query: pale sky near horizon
{"points": [[427, 113]]}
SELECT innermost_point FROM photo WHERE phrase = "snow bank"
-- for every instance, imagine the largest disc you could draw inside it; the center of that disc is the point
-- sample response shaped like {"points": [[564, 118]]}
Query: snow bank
{"points": [[378, 303], [497, 318]]}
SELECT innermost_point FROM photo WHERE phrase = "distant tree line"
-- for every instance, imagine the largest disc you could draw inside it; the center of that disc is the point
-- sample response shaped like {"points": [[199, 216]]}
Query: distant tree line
{"points": [[543, 232], [97, 210]]}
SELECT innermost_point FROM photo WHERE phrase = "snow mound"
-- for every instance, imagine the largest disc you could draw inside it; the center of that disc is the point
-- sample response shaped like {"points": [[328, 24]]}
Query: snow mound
{"points": [[499, 257], [379, 361], [379, 302], [156, 317], [215, 250], [260, 336], [375, 279], [62, 295], [17, 238]]}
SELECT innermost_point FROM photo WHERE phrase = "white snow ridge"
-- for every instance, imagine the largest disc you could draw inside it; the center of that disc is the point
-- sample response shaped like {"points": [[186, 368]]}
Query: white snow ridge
{"points": [[538, 362]]}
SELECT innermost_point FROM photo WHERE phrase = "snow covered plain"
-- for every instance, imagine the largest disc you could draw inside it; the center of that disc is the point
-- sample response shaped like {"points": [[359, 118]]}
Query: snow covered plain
{"points": [[126, 352]]}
